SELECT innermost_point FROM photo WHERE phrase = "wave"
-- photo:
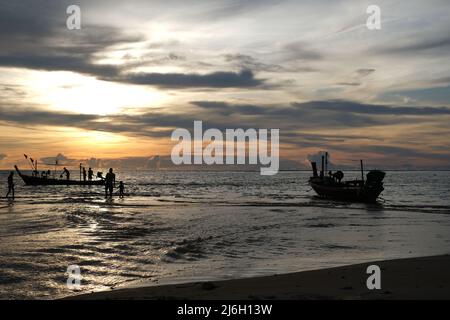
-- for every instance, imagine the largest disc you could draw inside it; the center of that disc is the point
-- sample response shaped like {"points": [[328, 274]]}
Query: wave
{"points": [[186, 250], [277, 203]]}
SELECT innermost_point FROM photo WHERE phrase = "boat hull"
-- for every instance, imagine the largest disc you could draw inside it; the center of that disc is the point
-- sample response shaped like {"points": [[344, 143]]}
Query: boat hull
{"points": [[38, 181], [343, 192]]}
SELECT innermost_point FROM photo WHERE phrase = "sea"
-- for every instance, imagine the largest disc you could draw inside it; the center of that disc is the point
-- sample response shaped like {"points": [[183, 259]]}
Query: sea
{"points": [[184, 226]]}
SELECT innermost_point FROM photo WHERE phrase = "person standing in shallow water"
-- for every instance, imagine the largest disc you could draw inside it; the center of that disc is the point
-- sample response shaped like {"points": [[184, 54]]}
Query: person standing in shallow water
{"points": [[10, 184], [110, 181], [121, 189]]}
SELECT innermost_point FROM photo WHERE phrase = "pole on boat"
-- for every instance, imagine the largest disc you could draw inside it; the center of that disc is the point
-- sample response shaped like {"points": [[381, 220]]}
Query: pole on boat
{"points": [[29, 162], [326, 162], [321, 170], [80, 171], [33, 165], [362, 170]]}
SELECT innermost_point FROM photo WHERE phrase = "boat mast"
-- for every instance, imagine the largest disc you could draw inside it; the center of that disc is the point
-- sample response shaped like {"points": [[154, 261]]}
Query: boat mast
{"points": [[32, 163], [362, 170]]}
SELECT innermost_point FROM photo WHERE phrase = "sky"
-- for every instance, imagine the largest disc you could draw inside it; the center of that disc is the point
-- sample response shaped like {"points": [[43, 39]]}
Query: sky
{"points": [[137, 70]]}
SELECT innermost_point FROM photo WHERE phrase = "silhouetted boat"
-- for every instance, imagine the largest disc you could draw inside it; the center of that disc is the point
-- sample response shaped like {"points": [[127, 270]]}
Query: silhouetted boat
{"points": [[35, 180], [331, 186]]}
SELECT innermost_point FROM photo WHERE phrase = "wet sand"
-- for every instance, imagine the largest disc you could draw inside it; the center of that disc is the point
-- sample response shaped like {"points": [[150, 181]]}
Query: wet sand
{"points": [[412, 278]]}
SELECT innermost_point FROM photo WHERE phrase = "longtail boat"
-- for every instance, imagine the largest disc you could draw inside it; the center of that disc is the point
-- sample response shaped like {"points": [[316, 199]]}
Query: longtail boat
{"points": [[367, 189], [36, 180]]}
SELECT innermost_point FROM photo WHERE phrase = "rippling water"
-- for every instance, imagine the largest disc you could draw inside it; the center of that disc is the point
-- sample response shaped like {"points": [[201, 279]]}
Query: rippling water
{"points": [[185, 226]]}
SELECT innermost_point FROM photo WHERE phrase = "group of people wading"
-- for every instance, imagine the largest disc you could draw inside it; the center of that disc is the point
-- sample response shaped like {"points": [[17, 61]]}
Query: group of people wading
{"points": [[110, 181]]}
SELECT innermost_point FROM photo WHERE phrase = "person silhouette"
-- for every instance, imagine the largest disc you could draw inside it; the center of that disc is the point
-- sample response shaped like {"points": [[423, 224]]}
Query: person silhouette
{"points": [[84, 174], [110, 182], [121, 189], [67, 173], [90, 174], [338, 175], [10, 184]]}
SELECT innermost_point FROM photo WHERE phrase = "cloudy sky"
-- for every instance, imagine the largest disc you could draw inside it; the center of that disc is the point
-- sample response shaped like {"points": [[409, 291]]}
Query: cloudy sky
{"points": [[139, 69]]}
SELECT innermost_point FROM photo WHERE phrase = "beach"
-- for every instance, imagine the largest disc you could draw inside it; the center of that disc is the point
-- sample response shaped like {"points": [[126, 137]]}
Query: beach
{"points": [[412, 278]]}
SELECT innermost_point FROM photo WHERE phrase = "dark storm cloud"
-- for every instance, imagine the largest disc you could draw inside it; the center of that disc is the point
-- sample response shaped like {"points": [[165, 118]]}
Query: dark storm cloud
{"points": [[294, 135], [222, 79], [359, 108], [57, 63], [34, 36], [242, 79], [136, 125], [32, 18], [301, 140], [13, 114], [222, 115], [225, 108], [335, 114]]}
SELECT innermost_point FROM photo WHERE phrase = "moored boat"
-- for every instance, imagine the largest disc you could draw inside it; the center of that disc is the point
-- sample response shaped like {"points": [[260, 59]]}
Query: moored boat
{"points": [[367, 189], [35, 180]]}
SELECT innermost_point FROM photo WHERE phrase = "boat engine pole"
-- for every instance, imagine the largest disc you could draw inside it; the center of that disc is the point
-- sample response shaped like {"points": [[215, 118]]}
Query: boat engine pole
{"points": [[362, 171], [314, 168]]}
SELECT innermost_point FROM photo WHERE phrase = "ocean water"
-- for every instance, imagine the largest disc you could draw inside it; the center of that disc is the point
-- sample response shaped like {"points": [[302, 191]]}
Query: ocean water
{"points": [[191, 226]]}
